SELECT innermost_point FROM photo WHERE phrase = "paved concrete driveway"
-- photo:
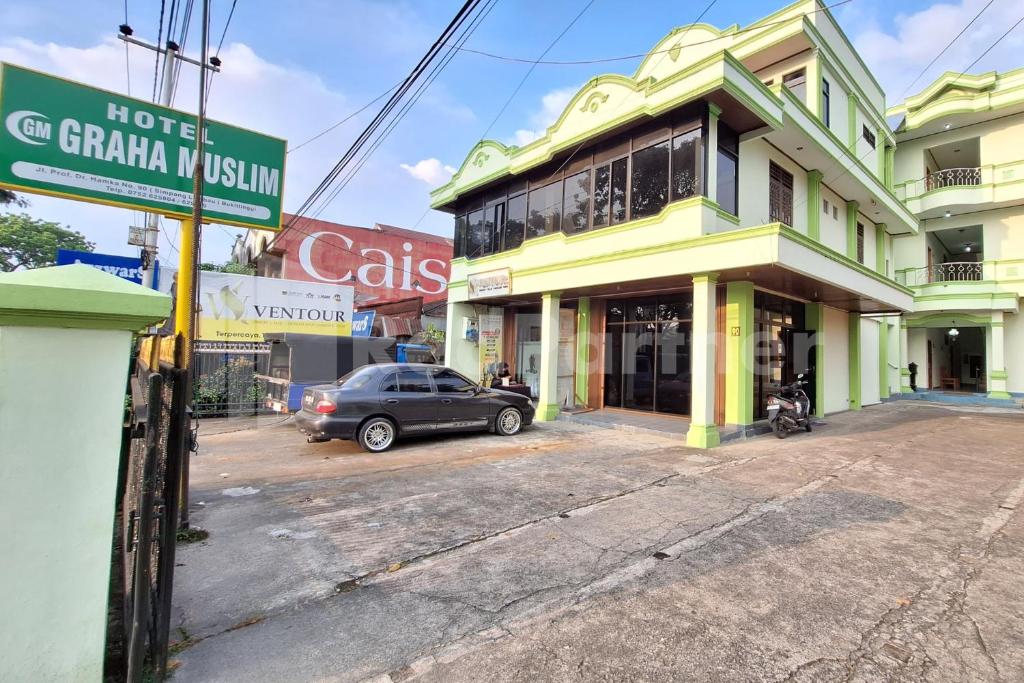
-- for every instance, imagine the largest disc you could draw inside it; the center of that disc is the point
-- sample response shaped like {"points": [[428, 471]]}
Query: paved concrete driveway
{"points": [[887, 545]]}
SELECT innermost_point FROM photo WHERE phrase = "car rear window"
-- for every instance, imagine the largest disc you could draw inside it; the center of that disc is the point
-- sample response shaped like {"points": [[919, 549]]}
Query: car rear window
{"points": [[356, 379]]}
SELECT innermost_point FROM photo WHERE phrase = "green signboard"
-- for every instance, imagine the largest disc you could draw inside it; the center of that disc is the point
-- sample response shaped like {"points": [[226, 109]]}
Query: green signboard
{"points": [[70, 140]]}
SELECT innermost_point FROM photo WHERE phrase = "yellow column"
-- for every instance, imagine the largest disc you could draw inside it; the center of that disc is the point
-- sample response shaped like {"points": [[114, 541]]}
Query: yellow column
{"points": [[183, 294], [739, 353], [703, 433], [547, 403]]}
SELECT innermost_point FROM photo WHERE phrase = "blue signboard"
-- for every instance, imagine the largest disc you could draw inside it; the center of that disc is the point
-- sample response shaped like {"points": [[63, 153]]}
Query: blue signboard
{"points": [[127, 267], [362, 323]]}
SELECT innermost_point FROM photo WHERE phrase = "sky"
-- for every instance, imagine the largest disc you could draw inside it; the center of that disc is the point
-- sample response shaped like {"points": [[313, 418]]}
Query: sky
{"points": [[293, 69]]}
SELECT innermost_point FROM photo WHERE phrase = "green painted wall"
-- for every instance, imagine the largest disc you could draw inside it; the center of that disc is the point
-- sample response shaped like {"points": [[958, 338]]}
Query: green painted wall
{"points": [[582, 350], [739, 353]]}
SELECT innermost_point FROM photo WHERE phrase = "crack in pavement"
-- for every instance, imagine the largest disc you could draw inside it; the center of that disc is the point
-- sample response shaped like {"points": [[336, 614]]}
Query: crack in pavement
{"points": [[930, 612]]}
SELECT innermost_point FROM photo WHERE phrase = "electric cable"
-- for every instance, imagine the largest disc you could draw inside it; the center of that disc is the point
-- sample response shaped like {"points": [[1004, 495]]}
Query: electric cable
{"points": [[948, 45], [344, 120], [159, 44]]}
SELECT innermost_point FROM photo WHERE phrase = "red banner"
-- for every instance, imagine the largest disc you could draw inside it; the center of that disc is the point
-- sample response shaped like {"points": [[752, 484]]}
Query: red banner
{"points": [[383, 263]]}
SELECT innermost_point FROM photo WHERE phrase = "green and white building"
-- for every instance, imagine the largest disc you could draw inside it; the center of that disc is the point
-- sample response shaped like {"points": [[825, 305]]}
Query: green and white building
{"points": [[684, 239]]}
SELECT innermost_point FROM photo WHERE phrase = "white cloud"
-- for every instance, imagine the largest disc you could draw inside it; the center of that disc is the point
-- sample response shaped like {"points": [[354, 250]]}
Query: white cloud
{"points": [[250, 92], [897, 57], [552, 105], [430, 171]]}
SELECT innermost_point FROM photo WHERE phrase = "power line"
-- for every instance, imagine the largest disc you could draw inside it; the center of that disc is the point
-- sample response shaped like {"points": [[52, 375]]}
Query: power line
{"points": [[533, 65], [948, 45], [602, 60], [227, 23], [344, 120], [393, 102], [990, 47], [159, 44], [409, 104]]}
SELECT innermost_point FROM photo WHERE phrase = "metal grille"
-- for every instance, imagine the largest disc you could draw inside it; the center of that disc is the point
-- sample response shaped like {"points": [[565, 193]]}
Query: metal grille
{"points": [[154, 446], [227, 384], [953, 177], [780, 195], [960, 271]]}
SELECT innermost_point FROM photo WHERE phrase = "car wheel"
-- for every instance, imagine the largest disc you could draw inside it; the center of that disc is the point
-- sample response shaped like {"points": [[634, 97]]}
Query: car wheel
{"points": [[377, 434], [508, 422]]}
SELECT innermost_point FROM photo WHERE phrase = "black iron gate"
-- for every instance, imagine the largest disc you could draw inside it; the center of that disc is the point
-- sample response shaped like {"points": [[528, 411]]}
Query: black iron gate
{"points": [[153, 451]]}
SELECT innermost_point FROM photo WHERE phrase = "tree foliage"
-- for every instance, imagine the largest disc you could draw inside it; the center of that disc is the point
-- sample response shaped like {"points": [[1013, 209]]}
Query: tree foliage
{"points": [[7, 197], [27, 242], [229, 267]]}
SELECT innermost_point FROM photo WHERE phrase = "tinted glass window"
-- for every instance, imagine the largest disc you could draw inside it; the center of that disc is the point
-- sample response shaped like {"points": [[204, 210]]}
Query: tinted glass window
{"points": [[545, 210], [602, 193], [390, 383], [686, 165], [414, 381], [727, 182], [620, 176], [515, 223], [478, 233], [576, 206], [460, 236], [650, 180], [496, 223], [357, 379], [449, 381]]}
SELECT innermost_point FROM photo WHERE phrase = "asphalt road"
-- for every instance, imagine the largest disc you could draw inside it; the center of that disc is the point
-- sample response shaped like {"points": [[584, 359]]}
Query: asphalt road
{"points": [[887, 545]]}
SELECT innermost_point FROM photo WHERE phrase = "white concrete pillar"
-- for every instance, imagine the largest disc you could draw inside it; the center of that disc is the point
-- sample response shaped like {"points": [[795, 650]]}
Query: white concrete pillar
{"points": [[65, 343], [703, 433], [996, 361], [547, 404], [711, 172], [461, 354], [904, 358]]}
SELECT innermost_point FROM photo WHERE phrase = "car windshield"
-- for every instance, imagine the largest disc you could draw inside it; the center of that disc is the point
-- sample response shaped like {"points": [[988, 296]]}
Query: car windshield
{"points": [[356, 379]]}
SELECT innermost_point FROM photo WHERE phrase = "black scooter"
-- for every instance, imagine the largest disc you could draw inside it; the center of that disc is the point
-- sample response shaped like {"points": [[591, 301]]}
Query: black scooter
{"points": [[790, 409]]}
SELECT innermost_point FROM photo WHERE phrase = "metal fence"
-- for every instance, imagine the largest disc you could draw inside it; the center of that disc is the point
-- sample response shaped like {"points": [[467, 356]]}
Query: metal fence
{"points": [[153, 451], [953, 177], [226, 384], [959, 271]]}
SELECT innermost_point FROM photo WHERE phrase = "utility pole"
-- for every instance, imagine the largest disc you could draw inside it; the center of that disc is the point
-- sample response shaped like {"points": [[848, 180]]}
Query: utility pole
{"points": [[171, 57]]}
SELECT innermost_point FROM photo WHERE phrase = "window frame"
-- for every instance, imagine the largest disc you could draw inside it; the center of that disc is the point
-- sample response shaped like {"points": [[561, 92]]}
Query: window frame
{"points": [[826, 103]]}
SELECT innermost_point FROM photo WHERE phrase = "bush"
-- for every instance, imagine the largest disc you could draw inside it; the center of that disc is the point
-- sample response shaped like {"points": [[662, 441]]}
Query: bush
{"points": [[231, 387]]}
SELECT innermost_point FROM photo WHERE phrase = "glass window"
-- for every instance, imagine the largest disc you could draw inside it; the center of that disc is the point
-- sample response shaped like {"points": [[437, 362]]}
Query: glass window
{"points": [[602, 194], [869, 137], [796, 81], [357, 379], [415, 381], [448, 381], [545, 210], [576, 205], [824, 205], [686, 165], [649, 185], [460, 236], [390, 383], [478, 235], [496, 222], [728, 169], [826, 108], [515, 224], [620, 176], [780, 194]]}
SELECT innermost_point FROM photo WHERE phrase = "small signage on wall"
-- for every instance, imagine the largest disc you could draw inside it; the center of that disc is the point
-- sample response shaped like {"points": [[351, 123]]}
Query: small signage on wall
{"points": [[492, 283]]}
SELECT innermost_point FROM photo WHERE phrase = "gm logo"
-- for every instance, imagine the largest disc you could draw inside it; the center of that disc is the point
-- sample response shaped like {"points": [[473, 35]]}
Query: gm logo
{"points": [[30, 127]]}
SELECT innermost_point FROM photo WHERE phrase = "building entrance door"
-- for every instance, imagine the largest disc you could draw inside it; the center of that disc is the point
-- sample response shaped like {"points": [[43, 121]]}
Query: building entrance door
{"points": [[647, 354], [777, 352]]}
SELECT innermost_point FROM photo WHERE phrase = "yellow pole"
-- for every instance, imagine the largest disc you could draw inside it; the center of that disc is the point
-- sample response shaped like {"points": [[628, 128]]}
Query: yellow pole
{"points": [[183, 315]]}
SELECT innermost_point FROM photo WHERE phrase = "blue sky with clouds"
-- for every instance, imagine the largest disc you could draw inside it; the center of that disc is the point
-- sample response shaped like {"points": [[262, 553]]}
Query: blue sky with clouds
{"points": [[294, 68]]}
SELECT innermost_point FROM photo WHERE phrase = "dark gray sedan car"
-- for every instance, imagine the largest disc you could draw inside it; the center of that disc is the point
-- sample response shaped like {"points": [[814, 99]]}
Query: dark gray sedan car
{"points": [[376, 404]]}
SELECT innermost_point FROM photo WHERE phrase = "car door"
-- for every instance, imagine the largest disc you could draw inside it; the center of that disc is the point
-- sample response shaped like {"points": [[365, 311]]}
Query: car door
{"points": [[408, 397], [461, 404]]}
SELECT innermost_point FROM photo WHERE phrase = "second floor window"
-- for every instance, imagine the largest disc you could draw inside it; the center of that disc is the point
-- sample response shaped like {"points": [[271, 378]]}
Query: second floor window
{"points": [[780, 194], [796, 81], [728, 163], [826, 108], [860, 243], [869, 137], [649, 189]]}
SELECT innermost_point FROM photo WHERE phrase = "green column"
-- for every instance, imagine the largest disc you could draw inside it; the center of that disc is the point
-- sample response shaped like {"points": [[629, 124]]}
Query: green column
{"points": [[814, 318], [879, 248], [814, 204], [583, 350], [852, 121], [883, 358], [739, 353], [851, 229], [854, 329], [890, 162], [547, 403]]}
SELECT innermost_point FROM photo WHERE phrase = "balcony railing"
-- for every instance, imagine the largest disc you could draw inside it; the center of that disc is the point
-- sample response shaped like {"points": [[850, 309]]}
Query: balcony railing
{"points": [[953, 177], [959, 271]]}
